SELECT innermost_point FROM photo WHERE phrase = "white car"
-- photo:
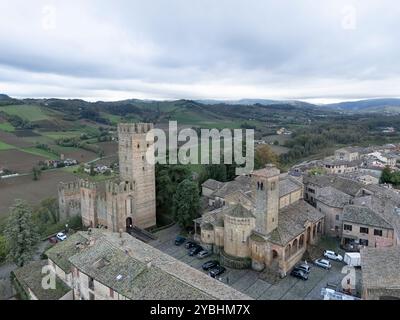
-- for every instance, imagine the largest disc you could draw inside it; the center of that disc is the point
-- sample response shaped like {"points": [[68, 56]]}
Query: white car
{"points": [[61, 236], [332, 255], [323, 263]]}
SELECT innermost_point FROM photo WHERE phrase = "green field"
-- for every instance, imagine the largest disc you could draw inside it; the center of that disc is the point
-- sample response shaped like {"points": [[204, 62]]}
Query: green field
{"points": [[26, 112], [5, 146], [40, 152], [84, 175], [7, 127], [61, 134]]}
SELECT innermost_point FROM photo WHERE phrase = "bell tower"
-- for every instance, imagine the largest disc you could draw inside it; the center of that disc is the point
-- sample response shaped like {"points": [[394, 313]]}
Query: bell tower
{"points": [[265, 188]]}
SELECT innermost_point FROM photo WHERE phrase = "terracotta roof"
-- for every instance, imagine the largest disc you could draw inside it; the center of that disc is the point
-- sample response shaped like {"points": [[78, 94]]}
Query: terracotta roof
{"points": [[292, 220], [364, 216], [212, 184], [380, 267], [268, 171], [333, 197]]}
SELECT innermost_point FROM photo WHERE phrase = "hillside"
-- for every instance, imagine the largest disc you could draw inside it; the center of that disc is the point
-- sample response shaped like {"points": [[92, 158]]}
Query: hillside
{"points": [[391, 105]]}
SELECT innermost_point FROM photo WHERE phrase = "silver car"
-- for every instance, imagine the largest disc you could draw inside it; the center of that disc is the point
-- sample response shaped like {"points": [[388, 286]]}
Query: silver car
{"points": [[203, 254], [323, 263]]}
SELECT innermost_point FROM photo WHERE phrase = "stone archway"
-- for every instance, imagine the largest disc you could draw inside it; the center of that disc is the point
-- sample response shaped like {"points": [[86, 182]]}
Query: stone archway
{"points": [[275, 255], [301, 241], [294, 246], [129, 223], [308, 235]]}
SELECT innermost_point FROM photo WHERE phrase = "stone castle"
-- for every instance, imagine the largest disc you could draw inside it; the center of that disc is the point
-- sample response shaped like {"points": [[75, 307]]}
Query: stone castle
{"points": [[259, 221], [125, 202]]}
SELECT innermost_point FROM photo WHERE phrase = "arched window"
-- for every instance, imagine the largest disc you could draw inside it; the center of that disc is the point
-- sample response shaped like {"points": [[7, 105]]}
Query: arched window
{"points": [[301, 241], [231, 235], [287, 252], [294, 246], [262, 186], [258, 185]]}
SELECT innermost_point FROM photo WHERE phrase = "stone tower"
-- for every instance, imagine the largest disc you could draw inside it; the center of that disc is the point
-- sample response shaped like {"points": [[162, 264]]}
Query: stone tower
{"points": [[265, 188], [135, 139]]}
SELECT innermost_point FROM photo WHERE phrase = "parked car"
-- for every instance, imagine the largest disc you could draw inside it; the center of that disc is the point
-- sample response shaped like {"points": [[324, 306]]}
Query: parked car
{"points": [[61, 236], [179, 240], [195, 250], [210, 265], [299, 274], [190, 244], [304, 267], [203, 253], [323, 263], [332, 255], [216, 271]]}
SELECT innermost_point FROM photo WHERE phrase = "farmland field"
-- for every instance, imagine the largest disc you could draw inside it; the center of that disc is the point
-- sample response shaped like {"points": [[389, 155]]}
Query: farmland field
{"points": [[18, 160], [61, 134], [5, 146], [26, 112], [13, 140], [40, 152], [26, 188], [6, 126]]}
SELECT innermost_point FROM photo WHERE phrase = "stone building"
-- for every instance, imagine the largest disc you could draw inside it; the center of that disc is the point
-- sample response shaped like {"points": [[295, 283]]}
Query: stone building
{"points": [[101, 265], [367, 228], [122, 203], [331, 202], [259, 221], [347, 154]]}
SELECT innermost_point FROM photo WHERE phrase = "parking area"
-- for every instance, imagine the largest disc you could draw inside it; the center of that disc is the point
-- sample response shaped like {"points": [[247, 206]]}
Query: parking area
{"points": [[249, 281]]}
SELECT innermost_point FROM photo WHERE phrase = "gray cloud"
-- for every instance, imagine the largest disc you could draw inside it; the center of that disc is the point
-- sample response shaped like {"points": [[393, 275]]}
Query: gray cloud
{"points": [[200, 49]]}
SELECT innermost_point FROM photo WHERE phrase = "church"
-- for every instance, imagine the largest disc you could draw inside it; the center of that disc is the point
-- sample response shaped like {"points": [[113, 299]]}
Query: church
{"points": [[258, 221], [122, 203]]}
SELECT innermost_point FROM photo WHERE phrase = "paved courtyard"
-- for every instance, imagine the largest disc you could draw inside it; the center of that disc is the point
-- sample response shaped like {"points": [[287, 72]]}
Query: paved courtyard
{"points": [[249, 281]]}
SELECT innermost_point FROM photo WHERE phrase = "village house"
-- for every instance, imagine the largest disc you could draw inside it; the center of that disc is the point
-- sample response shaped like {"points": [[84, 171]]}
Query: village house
{"points": [[331, 202], [364, 227], [347, 154], [101, 265]]}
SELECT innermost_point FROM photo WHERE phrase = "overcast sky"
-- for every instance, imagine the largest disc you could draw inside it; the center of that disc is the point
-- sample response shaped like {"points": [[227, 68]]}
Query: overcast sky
{"points": [[319, 51]]}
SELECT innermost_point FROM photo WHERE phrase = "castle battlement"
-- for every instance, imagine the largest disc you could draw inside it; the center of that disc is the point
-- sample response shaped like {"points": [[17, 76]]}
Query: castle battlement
{"points": [[129, 128], [69, 187], [120, 187], [87, 184]]}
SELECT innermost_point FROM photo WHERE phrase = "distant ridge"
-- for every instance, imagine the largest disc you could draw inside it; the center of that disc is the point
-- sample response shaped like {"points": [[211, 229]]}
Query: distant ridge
{"points": [[4, 97], [264, 102], [367, 105]]}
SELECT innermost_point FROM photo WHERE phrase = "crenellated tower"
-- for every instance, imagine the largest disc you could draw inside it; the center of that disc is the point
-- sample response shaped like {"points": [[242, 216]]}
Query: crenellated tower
{"points": [[135, 141], [69, 199]]}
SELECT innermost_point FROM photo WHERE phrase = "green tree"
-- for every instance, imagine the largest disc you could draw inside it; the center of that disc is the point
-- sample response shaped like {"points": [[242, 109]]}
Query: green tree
{"points": [[21, 233], [3, 248], [47, 212], [92, 172], [386, 176], [36, 173], [186, 203], [217, 172], [264, 155]]}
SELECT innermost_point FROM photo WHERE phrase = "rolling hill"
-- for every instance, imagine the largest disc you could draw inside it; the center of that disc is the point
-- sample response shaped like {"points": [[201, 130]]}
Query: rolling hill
{"points": [[369, 105]]}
